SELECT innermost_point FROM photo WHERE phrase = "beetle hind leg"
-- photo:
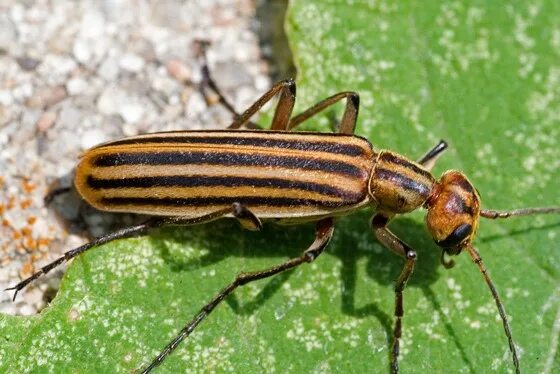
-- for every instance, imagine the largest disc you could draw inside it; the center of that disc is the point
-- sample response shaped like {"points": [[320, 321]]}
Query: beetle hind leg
{"points": [[323, 234], [247, 219]]}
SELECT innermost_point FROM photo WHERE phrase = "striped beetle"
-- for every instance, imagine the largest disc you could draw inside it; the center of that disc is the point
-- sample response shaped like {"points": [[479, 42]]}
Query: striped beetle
{"points": [[192, 177]]}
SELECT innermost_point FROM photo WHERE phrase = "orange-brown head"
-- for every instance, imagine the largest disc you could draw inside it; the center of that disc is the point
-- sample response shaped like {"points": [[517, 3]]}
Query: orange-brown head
{"points": [[453, 212]]}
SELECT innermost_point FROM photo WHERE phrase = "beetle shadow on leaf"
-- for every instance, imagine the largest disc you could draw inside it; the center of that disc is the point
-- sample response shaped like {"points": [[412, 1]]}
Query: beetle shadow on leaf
{"points": [[353, 240], [518, 232], [384, 267], [225, 238]]}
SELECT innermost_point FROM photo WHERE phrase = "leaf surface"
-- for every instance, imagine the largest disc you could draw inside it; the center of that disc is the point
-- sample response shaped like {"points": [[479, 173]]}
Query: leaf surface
{"points": [[482, 76]]}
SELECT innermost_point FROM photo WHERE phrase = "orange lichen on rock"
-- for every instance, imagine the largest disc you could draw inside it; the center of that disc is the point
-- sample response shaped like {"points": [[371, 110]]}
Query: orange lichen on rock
{"points": [[27, 186]]}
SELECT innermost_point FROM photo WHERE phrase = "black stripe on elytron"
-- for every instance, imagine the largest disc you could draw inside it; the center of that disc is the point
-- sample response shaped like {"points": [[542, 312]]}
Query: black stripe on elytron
{"points": [[391, 158], [221, 200], [226, 159], [402, 181], [215, 181], [330, 147]]}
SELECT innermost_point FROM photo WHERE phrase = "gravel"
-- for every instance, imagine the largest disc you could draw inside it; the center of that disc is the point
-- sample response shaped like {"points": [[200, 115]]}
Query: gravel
{"points": [[75, 74]]}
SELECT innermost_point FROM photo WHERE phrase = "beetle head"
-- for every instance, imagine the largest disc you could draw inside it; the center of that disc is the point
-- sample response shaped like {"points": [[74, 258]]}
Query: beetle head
{"points": [[453, 212]]}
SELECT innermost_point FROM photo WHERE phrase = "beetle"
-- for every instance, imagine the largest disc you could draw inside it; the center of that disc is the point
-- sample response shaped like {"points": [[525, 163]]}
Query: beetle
{"points": [[286, 177]]}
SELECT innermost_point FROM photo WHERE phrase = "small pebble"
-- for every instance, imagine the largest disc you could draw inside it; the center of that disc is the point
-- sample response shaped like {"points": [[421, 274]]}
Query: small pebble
{"points": [[109, 69], [8, 33], [72, 77], [81, 50], [6, 98], [26, 310], [110, 100], [131, 62], [76, 86], [46, 97], [130, 129], [91, 138], [46, 121], [92, 25], [54, 95], [69, 116], [27, 63], [23, 91], [131, 113], [178, 70]]}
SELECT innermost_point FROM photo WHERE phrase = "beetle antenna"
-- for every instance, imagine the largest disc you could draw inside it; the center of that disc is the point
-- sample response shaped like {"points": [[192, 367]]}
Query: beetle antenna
{"points": [[493, 214], [478, 261]]}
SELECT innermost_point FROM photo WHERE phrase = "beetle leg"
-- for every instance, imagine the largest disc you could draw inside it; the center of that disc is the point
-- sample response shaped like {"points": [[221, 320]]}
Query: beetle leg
{"points": [[283, 112], [348, 121], [131, 231], [397, 246], [323, 233], [209, 82], [247, 219], [430, 158], [284, 107]]}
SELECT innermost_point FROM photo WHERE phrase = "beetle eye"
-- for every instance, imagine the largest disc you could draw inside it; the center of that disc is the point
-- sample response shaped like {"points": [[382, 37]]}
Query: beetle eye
{"points": [[456, 237]]}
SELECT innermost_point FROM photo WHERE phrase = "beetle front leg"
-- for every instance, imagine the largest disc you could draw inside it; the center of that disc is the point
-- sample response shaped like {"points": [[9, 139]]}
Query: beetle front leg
{"points": [[397, 246], [323, 233]]}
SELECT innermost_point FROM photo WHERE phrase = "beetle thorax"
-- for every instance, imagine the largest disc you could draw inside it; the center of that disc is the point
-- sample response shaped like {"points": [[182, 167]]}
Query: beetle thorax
{"points": [[398, 185]]}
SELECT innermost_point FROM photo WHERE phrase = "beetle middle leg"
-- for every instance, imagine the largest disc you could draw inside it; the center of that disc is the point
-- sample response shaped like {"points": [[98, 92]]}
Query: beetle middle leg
{"points": [[389, 240], [282, 114], [323, 233]]}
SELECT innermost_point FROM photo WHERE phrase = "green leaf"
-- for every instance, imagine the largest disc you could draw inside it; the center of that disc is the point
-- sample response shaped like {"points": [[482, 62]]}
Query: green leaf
{"points": [[483, 77]]}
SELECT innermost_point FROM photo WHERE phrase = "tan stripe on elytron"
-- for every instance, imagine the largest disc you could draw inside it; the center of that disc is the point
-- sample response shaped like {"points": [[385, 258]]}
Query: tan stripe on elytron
{"points": [[195, 192], [263, 212]]}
